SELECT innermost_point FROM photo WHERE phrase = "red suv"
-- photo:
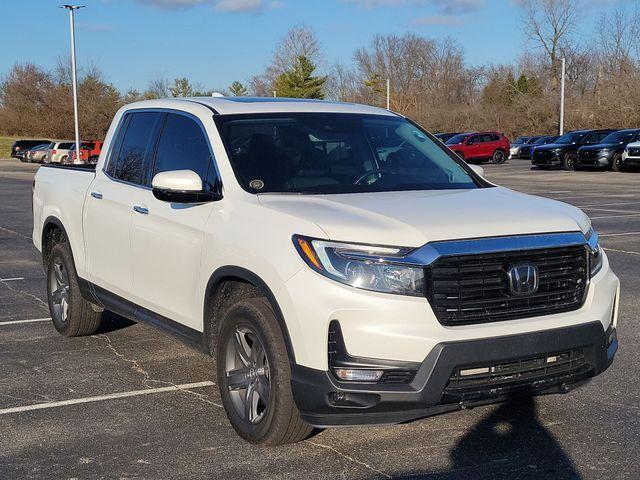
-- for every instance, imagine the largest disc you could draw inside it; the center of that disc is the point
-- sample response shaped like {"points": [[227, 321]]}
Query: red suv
{"points": [[89, 151], [480, 146]]}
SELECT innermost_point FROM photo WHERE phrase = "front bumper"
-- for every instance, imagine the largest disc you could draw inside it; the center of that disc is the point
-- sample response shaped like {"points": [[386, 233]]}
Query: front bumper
{"points": [[325, 401], [546, 159], [600, 160], [630, 161]]}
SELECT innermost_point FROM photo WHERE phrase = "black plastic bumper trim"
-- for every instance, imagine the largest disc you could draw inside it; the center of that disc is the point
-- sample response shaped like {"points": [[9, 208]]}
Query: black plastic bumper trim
{"points": [[325, 401]]}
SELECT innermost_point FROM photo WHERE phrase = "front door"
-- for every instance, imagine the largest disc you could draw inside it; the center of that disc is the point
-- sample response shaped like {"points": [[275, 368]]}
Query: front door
{"points": [[167, 238]]}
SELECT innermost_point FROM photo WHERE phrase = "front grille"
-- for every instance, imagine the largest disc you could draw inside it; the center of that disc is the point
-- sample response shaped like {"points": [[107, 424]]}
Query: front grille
{"points": [[634, 152], [480, 381], [469, 289]]}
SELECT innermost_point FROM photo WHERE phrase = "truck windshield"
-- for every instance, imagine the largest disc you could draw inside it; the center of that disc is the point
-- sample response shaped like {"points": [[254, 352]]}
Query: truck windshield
{"points": [[336, 153]]}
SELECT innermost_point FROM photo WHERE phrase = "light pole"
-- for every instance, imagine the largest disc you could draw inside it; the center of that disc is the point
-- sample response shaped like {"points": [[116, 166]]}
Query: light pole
{"points": [[388, 94], [74, 82], [561, 130]]}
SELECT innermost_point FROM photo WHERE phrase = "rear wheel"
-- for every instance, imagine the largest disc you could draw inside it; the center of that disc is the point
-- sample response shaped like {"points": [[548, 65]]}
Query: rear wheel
{"points": [[254, 376], [616, 163], [499, 157], [71, 314], [569, 161]]}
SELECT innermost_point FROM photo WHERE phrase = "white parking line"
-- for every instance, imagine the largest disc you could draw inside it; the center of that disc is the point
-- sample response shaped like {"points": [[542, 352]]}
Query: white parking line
{"points": [[100, 398], [32, 320], [11, 279], [607, 204], [621, 251], [616, 216], [617, 234]]}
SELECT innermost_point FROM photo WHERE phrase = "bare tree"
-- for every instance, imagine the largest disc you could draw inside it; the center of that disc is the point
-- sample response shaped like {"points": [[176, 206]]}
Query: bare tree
{"points": [[158, 88], [297, 42], [550, 25], [619, 40]]}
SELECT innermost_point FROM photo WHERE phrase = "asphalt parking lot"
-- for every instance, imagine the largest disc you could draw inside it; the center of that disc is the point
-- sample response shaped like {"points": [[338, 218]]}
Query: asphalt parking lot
{"points": [[133, 402]]}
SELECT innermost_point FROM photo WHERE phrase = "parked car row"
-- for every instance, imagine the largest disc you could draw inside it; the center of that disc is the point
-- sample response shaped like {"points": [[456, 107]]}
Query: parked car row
{"points": [[589, 149], [20, 147], [476, 147], [57, 151]]}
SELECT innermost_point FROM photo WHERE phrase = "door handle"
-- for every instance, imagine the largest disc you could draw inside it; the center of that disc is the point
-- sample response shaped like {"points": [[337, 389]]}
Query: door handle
{"points": [[97, 195], [141, 209]]}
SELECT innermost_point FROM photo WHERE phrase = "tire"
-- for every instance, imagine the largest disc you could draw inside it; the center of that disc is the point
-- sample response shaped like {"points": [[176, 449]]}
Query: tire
{"points": [[251, 344], [499, 157], [63, 159], [616, 162], [72, 315], [569, 161]]}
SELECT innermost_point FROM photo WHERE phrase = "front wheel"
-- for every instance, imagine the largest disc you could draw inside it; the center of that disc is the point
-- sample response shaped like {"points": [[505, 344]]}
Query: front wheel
{"points": [[616, 163], [64, 160], [569, 161], [254, 376], [499, 157]]}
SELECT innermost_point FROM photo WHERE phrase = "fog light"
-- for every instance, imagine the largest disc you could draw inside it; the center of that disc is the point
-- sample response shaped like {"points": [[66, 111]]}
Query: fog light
{"points": [[474, 371], [352, 375]]}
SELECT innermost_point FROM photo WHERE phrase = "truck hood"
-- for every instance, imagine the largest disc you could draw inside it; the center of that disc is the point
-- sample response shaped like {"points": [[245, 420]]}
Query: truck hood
{"points": [[553, 146], [600, 146], [414, 218]]}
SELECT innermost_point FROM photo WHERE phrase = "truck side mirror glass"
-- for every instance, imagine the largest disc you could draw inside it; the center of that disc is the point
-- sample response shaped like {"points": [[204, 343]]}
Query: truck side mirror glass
{"points": [[181, 186]]}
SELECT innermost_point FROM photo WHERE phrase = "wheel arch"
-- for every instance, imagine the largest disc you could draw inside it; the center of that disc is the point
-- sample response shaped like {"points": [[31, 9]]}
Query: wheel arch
{"points": [[50, 238], [215, 296]]}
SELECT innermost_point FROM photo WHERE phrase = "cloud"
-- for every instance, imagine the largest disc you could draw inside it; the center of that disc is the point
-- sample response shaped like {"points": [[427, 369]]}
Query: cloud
{"points": [[457, 7], [235, 6], [369, 4], [444, 20], [238, 5]]}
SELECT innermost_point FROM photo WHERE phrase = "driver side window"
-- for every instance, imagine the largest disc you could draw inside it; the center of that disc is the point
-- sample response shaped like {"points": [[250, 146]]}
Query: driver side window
{"points": [[183, 146]]}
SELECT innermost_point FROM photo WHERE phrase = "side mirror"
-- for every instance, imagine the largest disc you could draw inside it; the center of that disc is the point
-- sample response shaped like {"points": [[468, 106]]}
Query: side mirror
{"points": [[469, 142], [182, 186], [477, 169]]}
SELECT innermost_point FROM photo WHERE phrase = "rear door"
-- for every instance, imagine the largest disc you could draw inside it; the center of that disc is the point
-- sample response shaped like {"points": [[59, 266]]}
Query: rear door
{"points": [[109, 206], [167, 238]]}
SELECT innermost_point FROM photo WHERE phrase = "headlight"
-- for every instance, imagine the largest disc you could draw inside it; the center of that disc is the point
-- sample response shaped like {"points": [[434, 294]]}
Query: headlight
{"points": [[595, 252], [369, 267]]}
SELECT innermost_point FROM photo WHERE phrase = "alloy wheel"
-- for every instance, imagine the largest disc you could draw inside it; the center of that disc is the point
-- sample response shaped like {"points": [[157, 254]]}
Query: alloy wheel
{"points": [[59, 291], [247, 375]]}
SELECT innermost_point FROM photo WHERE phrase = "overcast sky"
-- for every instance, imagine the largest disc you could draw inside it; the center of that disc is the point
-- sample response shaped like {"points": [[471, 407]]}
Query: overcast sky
{"points": [[213, 42]]}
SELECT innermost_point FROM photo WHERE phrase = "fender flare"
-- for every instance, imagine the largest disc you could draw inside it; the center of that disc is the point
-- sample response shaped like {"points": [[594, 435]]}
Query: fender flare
{"points": [[52, 220], [240, 273]]}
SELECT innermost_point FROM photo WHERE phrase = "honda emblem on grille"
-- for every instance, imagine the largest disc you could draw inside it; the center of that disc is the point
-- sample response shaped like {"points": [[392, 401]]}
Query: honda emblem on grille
{"points": [[523, 279]]}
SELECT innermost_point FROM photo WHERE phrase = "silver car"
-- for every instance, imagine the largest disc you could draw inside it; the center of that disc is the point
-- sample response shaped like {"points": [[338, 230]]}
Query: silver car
{"points": [[36, 154], [58, 152]]}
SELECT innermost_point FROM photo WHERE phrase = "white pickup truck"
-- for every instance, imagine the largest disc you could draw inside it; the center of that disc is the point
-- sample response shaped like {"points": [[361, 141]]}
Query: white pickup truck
{"points": [[341, 264]]}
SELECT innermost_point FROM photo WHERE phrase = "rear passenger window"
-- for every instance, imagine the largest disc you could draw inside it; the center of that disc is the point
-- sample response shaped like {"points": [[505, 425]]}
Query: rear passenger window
{"points": [[182, 146], [129, 163]]}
